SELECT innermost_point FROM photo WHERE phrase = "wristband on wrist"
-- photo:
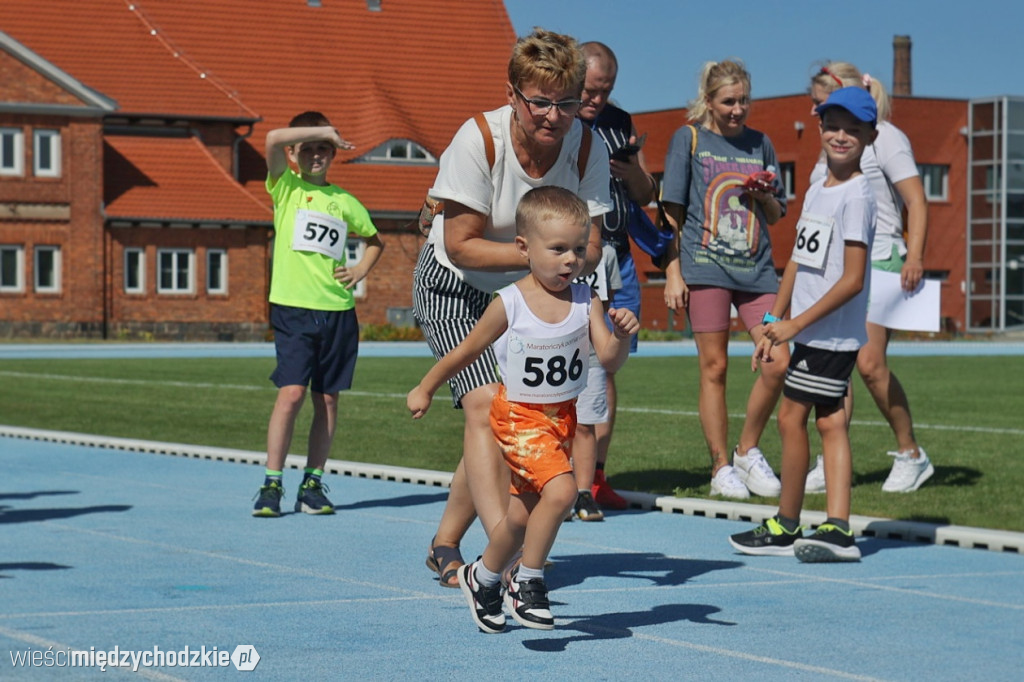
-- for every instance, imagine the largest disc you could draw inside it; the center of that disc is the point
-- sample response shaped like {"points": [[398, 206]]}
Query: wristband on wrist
{"points": [[769, 318]]}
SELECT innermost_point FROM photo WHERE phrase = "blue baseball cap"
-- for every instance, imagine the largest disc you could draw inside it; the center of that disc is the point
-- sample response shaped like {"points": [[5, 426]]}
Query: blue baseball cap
{"points": [[855, 100]]}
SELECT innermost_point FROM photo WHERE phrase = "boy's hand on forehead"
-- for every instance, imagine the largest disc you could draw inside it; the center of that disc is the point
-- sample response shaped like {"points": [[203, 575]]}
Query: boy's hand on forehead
{"points": [[340, 142]]}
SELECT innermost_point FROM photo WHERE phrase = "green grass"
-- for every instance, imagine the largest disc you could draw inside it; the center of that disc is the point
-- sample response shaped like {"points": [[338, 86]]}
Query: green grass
{"points": [[967, 412]]}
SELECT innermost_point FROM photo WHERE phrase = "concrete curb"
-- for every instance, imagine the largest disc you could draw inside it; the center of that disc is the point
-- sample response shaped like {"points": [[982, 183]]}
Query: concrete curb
{"points": [[864, 526]]}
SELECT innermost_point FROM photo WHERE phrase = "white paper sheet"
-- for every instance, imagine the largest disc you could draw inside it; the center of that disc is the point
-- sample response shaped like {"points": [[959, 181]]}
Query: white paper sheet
{"points": [[894, 308]]}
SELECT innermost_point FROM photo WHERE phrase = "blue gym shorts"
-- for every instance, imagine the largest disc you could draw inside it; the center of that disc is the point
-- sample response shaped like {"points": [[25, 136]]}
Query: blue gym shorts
{"points": [[628, 296], [315, 348]]}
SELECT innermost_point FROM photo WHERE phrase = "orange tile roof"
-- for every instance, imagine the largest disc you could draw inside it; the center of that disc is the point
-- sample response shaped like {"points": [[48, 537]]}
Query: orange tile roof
{"points": [[173, 179], [414, 70]]}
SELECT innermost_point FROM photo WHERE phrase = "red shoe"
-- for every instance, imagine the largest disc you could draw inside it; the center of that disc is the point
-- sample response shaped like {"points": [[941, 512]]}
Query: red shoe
{"points": [[605, 495]]}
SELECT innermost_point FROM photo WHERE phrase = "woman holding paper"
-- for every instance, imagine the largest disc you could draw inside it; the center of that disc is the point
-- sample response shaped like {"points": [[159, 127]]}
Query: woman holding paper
{"points": [[892, 173]]}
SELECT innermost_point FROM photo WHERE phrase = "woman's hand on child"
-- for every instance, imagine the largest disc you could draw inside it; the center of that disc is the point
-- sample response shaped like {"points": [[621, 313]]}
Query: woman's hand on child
{"points": [[624, 322], [418, 402]]}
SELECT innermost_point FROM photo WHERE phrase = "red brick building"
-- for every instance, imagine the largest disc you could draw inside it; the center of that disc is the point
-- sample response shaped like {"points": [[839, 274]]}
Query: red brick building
{"points": [[936, 128], [131, 157], [131, 148]]}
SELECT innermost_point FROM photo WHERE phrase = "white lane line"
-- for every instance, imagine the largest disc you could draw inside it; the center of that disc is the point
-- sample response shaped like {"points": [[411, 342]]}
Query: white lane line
{"points": [[375, 394]]}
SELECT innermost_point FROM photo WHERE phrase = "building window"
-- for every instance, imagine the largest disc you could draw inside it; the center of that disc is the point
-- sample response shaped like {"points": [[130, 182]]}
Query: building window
{"points": [[12, 268], [47, 269], [46, 153], [134, 271], [12, 151], [355, 249], [788, 172], [399, 151], [935, 179], [174, 268], [216, 271]]}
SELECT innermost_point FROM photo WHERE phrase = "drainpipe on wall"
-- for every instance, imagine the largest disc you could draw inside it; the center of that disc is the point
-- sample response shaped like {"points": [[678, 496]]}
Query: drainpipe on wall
{"points": [[234, 151]]}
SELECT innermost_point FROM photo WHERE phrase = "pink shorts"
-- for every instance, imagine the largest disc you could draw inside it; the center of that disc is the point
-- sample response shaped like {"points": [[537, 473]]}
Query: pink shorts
{"points": [[710, 308], [535, 439]]}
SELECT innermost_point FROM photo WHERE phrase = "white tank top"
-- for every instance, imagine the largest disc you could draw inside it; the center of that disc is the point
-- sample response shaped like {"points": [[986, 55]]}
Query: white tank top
{"points": [[541, 362]]}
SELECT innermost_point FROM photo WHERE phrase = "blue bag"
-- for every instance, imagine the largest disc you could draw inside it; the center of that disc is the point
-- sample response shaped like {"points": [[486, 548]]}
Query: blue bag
{"points": [[651, 239]]}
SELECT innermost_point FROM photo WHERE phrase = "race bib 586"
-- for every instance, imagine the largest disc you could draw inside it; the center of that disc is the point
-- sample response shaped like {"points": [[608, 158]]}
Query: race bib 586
{"points": [[547, 370]]}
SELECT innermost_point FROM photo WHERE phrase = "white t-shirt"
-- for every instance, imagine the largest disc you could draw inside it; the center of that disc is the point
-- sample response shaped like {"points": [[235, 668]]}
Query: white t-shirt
{"points": [[886, 162], [850, 208], [543, 362], [465, 177]]}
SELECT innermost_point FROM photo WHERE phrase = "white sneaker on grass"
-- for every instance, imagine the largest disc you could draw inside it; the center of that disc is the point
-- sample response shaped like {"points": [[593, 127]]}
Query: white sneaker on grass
{"points": [[908, 473], [755, 473], [815, 482], [727, 484]]}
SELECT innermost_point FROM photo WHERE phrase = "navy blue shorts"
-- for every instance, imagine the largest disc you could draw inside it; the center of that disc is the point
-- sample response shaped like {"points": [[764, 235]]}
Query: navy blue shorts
{"points": [[315, 348]]}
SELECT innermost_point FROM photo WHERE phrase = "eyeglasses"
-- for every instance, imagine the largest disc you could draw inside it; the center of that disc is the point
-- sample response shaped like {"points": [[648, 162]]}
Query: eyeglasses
{"points": [[540, 106]]}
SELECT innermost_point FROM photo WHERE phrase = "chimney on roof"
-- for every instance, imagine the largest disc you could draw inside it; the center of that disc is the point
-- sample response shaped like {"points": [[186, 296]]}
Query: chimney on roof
{"points": [[901, 66], [373, 5], [313, 3]]}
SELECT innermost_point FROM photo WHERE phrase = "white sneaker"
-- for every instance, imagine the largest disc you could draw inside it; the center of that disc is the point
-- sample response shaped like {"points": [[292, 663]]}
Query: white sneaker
{"points": [[727, 484], [816, 478], [908, 473], [754, 472]]}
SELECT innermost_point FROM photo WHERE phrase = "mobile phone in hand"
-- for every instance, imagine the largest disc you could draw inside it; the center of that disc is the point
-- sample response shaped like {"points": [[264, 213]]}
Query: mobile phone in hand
{"points": [[627, 150], [760, 181]]}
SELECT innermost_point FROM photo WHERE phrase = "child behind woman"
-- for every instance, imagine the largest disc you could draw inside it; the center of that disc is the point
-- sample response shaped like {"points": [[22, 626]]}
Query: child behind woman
{"points": [[826, 285]]}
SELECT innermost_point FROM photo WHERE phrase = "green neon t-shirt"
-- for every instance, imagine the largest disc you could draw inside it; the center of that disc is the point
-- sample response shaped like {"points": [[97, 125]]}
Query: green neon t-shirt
{"points": [[311, 223]]}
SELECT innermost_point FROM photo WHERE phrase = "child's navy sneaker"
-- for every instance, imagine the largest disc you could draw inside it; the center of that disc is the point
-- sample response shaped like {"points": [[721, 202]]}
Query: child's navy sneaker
{"points": [[528, 602], [311, 499], [768, 539], [268, 500], [829, 543], [484, 602]]}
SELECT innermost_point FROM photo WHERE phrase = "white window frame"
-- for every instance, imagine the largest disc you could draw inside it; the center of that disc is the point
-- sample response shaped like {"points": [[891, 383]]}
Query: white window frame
{"points": [[37, 271], [54, 142], [222, 287], [355, 249], [19, 268], [930, 192], [414, 153], [14, 137], [189, 266], [140, 255], [788, 171]]}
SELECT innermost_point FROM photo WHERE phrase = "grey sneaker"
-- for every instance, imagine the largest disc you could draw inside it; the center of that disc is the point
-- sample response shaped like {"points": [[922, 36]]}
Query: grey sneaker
{"points": [[908, 473], [768, 539], [754, 472], [829, 543]]}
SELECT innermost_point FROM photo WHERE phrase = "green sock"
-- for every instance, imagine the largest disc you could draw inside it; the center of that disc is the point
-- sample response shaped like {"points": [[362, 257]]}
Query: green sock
{"points": [[310, 472], [271, 476]]}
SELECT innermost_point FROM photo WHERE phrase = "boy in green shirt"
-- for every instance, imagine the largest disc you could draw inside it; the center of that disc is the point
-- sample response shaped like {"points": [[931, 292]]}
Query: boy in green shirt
{"points": [[316, 333]]}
